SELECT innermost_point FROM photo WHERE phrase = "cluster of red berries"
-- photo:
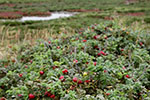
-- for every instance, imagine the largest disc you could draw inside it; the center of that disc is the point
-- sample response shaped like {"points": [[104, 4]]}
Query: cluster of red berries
{"points": [[48, 94], [75, 61], [65, 71], [75, 79], [95, 63], [31, 96], [101, 52]]}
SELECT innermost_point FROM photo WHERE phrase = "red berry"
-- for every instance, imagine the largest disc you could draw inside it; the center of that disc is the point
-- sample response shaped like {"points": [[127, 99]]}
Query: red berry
{"points": [[141, 44], [2, 87], [77, 38], [123, 67], [61, 77], [54, 67], [87, 62], [127, 76], [20, 75], [26, 66], [75, 79], [87, 81], [122, 49], [41, 72], [75, 61], [31, 61], [95, 63], [3, 98], [105, 71], [46, 93], [95, 37], [49, 42], [65, 71], [52, 96], [84, 40], [49, 94], [19, 95], [99, 54], [96, 47], [107, 94], [79, 82], [103, 53], [105, 37], [31, 96], [58, 47]]}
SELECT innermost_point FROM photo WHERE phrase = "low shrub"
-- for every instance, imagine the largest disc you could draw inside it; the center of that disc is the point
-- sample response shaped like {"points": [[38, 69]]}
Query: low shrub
{"points": [[102, 62]]}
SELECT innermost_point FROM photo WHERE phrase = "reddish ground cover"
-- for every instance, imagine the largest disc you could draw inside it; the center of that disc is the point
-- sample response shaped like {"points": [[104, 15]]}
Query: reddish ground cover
{"points": [[7, 4], [84, 10], [36, 14], [19, 14], [10, 15], [135, 14]]}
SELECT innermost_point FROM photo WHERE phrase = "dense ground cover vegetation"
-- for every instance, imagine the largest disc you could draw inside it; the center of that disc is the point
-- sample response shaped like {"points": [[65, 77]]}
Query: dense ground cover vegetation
{"points": [[92, 11], [75, 61], [104, 61]]}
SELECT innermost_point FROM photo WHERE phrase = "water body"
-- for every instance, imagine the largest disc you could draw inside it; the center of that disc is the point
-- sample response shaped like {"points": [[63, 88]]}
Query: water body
{"points": [[54, 15]]}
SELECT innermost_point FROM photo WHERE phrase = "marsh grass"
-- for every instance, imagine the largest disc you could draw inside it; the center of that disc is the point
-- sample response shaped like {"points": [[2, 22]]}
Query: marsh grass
{"points": [[12, 38]]}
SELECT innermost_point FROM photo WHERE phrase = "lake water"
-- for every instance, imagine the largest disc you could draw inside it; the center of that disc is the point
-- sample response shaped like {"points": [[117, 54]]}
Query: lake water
{"points": [[54, 15]]}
